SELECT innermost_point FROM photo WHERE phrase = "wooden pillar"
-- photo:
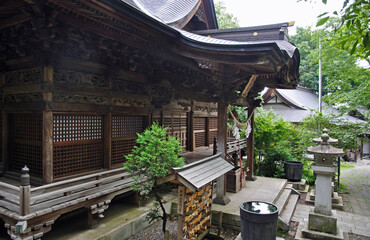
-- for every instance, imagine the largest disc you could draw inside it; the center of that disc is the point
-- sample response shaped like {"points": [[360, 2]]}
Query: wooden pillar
{"points": [[47, 146], [208, 141], [180, 211], [4, 136], [250, 149], [25, 189], [108, 140], [47, 127], [191, 135], [107, 123], [221, 148]]}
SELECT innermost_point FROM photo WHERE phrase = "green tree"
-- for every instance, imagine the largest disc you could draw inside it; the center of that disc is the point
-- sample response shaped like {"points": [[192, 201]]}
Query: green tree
{"points": [[344, 82], [352, 28], [152, 159], [277, 141], [346, 132], [305, 41], [224, 19]]}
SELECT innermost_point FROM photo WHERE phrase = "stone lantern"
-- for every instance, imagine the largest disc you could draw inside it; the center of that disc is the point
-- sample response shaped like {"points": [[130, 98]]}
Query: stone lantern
{"points": [[322, 221]]}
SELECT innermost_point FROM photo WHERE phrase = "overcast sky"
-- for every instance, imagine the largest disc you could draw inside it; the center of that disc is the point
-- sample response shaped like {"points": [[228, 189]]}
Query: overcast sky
{"points": [[262, 12]]}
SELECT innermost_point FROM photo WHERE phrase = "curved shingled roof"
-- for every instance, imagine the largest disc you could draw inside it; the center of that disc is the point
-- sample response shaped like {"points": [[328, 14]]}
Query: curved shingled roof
{"points": [[170, 12]]}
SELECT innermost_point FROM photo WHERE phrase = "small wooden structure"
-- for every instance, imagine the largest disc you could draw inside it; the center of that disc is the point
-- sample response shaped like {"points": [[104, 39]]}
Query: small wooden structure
{"points": [[79, 79], [195, 195]]}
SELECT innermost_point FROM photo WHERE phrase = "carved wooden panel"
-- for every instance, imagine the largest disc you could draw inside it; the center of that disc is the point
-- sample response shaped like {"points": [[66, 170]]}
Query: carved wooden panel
{"points": [[78, 143], [130, 102], [24, 76], [81, 99], [25, 141], [80, 79], [23, 98], [124, 129], [130, 87]]}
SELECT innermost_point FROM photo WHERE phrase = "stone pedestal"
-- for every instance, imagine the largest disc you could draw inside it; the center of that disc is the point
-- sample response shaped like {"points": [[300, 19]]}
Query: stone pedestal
{"points": [[323, 223], [323, 188]]}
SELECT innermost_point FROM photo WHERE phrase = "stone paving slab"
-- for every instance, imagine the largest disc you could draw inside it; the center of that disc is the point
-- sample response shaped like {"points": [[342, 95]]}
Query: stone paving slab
{"points": [[263, 189], [349, 222]]}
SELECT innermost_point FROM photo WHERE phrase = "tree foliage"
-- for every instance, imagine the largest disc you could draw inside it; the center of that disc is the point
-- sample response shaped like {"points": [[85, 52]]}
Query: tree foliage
{"points": [[351, 31], [151, 159], [344, 82], [276, 141], [224, 19], [347, 133]]}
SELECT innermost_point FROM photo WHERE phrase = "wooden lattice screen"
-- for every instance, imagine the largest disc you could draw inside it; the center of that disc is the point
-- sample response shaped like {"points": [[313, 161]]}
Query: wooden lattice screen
{"points": [[200, 131], [25, 142], [78, 144], [212, 129], [177, 126], [124, 129], [1, 139]]}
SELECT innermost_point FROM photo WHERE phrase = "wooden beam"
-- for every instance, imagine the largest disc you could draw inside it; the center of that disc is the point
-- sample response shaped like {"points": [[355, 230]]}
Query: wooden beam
{"points": [[14, 20]]}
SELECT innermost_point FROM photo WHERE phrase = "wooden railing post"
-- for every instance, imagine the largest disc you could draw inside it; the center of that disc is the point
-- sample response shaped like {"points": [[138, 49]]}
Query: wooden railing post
{"points": [[214, 146], [25, 190]]}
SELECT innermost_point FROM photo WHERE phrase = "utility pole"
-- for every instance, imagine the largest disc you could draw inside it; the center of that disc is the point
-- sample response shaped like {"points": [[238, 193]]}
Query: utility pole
{"points": [[320, 80]]}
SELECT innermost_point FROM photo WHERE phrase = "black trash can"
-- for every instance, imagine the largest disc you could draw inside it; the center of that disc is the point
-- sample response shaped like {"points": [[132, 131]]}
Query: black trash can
{"points": [[258, 220], [293, 170]]}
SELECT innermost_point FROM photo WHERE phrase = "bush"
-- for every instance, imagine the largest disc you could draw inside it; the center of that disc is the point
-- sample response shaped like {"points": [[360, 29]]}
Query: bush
{"points": [[272, 165]]}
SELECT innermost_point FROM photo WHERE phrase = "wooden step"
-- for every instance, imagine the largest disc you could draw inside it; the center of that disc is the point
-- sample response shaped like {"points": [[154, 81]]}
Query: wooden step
{"points": [[286, 215]]}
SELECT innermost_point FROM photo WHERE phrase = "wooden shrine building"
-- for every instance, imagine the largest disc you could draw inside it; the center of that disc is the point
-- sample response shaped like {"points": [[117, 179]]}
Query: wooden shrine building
{"points": [[79, 79]]}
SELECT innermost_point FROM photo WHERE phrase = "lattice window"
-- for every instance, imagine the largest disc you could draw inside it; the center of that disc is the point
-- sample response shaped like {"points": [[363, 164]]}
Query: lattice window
{"points": [[78, 144], [25, 142], [1, 138], [213, 123], [126, 126], [77, 127], [124, 129], [212, 129], [177, 126], [200, 131]]}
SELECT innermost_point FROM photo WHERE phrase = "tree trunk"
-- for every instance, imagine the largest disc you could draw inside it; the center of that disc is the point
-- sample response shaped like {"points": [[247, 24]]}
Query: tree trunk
{"points": [[159, 200]]}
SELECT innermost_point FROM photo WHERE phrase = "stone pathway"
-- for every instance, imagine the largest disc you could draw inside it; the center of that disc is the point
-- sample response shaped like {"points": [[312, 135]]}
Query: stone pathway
{"points": [[357, 181]]}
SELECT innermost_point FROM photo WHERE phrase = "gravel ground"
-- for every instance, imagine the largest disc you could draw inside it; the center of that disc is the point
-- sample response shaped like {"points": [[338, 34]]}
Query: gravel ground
{"points": [[154, 232]]}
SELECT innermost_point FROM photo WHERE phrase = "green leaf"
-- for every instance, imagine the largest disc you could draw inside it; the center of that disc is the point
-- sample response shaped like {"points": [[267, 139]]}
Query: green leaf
{"points": [[322, 14], [324, 1], [354, 47], [322, 21]]}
